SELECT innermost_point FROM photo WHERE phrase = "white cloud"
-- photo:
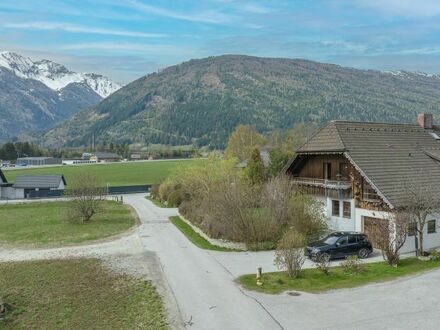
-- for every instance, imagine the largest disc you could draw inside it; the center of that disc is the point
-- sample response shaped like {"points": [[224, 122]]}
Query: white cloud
{"points": [[254, 8], [132, 47], [79, 29], [211, 17], [345, 45], [405, 8]]}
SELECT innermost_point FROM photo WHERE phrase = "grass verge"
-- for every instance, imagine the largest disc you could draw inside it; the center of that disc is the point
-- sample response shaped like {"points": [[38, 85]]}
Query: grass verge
{"points": [[195, 238], [312, 280], [158, 203], [47, 224], [77, 294]]}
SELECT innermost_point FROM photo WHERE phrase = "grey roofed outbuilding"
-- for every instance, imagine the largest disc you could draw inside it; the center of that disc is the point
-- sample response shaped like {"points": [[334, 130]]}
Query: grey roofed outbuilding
{"points": [[39, 181], [389, 156]]}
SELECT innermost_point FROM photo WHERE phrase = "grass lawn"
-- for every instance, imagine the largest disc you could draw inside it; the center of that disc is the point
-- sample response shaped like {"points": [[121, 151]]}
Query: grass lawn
{"points": [[312, 280], [46, 224], [115, 174], [77, 294], [195, 238]]}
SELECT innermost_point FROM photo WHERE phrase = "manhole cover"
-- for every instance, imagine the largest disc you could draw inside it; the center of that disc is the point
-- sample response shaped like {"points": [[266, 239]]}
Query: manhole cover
{"points": [[293, 293]]}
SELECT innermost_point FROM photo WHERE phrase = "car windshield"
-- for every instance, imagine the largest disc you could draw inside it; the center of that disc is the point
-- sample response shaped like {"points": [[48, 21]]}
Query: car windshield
{"points": [[330, 239]]}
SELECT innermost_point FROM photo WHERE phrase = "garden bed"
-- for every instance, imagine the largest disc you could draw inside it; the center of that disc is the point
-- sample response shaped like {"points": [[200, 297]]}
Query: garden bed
{"points": [[312, 280]]}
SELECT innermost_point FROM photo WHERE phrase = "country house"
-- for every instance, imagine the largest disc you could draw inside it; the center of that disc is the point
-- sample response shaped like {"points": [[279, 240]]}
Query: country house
{"points": [[362, 170]]}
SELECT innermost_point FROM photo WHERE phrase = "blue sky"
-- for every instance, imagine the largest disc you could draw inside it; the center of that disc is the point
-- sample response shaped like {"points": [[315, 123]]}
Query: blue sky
{"points": [[126, 39]]}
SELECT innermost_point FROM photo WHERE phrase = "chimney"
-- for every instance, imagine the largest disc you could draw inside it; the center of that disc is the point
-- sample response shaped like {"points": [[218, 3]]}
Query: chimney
{"points": [[425, 120]]}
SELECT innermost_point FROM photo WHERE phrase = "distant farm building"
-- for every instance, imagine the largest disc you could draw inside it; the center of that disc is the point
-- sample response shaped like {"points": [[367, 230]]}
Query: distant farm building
{"points": [[38, 161], [105, 157], [32, 186]]}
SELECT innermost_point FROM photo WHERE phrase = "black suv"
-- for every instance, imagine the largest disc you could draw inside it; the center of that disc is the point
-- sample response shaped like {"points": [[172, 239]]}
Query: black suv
{"points": [[340, 245]]}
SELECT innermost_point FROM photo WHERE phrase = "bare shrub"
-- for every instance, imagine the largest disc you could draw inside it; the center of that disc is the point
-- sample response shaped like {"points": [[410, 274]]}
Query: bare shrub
{"points": [[175, 198], [290, 253], [165, 189], [322, 263], [307, 216], [276, 196], [154, 191], [87, 194], [352, 265], [389, 235]]}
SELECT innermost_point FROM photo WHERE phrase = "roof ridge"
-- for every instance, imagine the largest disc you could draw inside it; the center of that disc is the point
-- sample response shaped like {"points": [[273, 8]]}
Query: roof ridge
{"points": [[340, 137], [373, 122]]}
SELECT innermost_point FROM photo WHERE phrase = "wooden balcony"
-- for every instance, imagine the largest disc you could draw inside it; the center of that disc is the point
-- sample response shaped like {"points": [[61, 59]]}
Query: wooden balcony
{"points": [[323, 183]]}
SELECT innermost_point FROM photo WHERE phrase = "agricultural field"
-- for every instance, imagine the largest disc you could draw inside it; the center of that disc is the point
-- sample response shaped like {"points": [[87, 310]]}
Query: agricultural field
{"points": [[113, 174]]}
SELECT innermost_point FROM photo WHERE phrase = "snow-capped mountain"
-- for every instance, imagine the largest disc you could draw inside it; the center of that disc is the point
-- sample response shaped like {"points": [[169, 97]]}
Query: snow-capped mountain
{"points": [[54, 75], [36, 95]]}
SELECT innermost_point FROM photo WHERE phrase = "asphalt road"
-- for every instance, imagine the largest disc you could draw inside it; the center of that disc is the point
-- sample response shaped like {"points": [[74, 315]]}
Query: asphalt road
{"points": [[203, 285]]}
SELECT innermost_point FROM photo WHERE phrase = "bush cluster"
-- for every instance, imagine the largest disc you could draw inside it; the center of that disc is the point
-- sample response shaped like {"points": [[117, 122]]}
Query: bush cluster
{"points": [[352, 265], [218, 198]]}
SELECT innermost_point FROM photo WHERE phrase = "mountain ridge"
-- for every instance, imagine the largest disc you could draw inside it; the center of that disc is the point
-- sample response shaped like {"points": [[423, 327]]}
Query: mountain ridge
{"points": [[54, 75], [202, 101]]}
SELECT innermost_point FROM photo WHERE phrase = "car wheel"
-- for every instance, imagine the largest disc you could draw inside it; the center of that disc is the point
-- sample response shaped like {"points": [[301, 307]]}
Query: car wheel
{"points": [[363, 253]]}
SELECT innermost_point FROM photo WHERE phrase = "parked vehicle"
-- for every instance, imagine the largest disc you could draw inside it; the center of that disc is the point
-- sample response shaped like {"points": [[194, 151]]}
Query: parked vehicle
{"points": [[340, 245]]}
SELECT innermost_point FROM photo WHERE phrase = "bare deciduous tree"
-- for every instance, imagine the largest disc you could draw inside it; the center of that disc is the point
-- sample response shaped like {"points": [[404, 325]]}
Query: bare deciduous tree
{"points": [[290, 253], [389, 235], [87, 193], [422, 200]]}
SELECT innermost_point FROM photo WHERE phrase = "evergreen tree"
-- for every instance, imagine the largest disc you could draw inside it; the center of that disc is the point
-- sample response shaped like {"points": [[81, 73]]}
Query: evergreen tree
{"points": [[255, 172]]}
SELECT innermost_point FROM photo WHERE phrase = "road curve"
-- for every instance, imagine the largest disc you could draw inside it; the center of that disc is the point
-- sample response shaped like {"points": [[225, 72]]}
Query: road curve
{"points": [[204, 289]]}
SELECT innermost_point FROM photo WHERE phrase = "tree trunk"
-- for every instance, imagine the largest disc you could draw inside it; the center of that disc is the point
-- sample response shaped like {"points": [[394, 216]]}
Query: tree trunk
{"points": [[421, 243]]}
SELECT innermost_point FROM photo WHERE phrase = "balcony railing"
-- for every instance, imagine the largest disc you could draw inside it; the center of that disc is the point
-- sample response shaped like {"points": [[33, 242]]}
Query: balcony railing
{"points": [[330, 184]]}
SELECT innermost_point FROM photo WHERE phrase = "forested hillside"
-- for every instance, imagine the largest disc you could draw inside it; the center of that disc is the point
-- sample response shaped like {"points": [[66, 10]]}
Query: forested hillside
{"points": [[201, 101]]}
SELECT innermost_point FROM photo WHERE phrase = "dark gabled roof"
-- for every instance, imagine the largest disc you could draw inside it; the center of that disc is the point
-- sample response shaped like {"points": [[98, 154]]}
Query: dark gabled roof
{"points": [[389, 156], [2, 177], [38, 181], [326, 139]]}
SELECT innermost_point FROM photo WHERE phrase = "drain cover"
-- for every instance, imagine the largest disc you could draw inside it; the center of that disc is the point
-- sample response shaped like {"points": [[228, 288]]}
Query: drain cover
{"points": [[293, 293]]}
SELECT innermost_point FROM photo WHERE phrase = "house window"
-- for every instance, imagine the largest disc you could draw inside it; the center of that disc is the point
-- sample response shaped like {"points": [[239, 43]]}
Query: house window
{"points": [[432, 228], [346, 210], [368, 192], [412, 229], [343, 170], [335, 208], [326, 171]]}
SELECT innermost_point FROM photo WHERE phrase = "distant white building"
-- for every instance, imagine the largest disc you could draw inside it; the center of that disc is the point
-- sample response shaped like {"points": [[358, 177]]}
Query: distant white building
{"points": [[38, 161]]}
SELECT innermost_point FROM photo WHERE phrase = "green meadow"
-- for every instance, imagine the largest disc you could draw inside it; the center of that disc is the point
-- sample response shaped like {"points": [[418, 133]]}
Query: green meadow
{"points": [[114, 174]]}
